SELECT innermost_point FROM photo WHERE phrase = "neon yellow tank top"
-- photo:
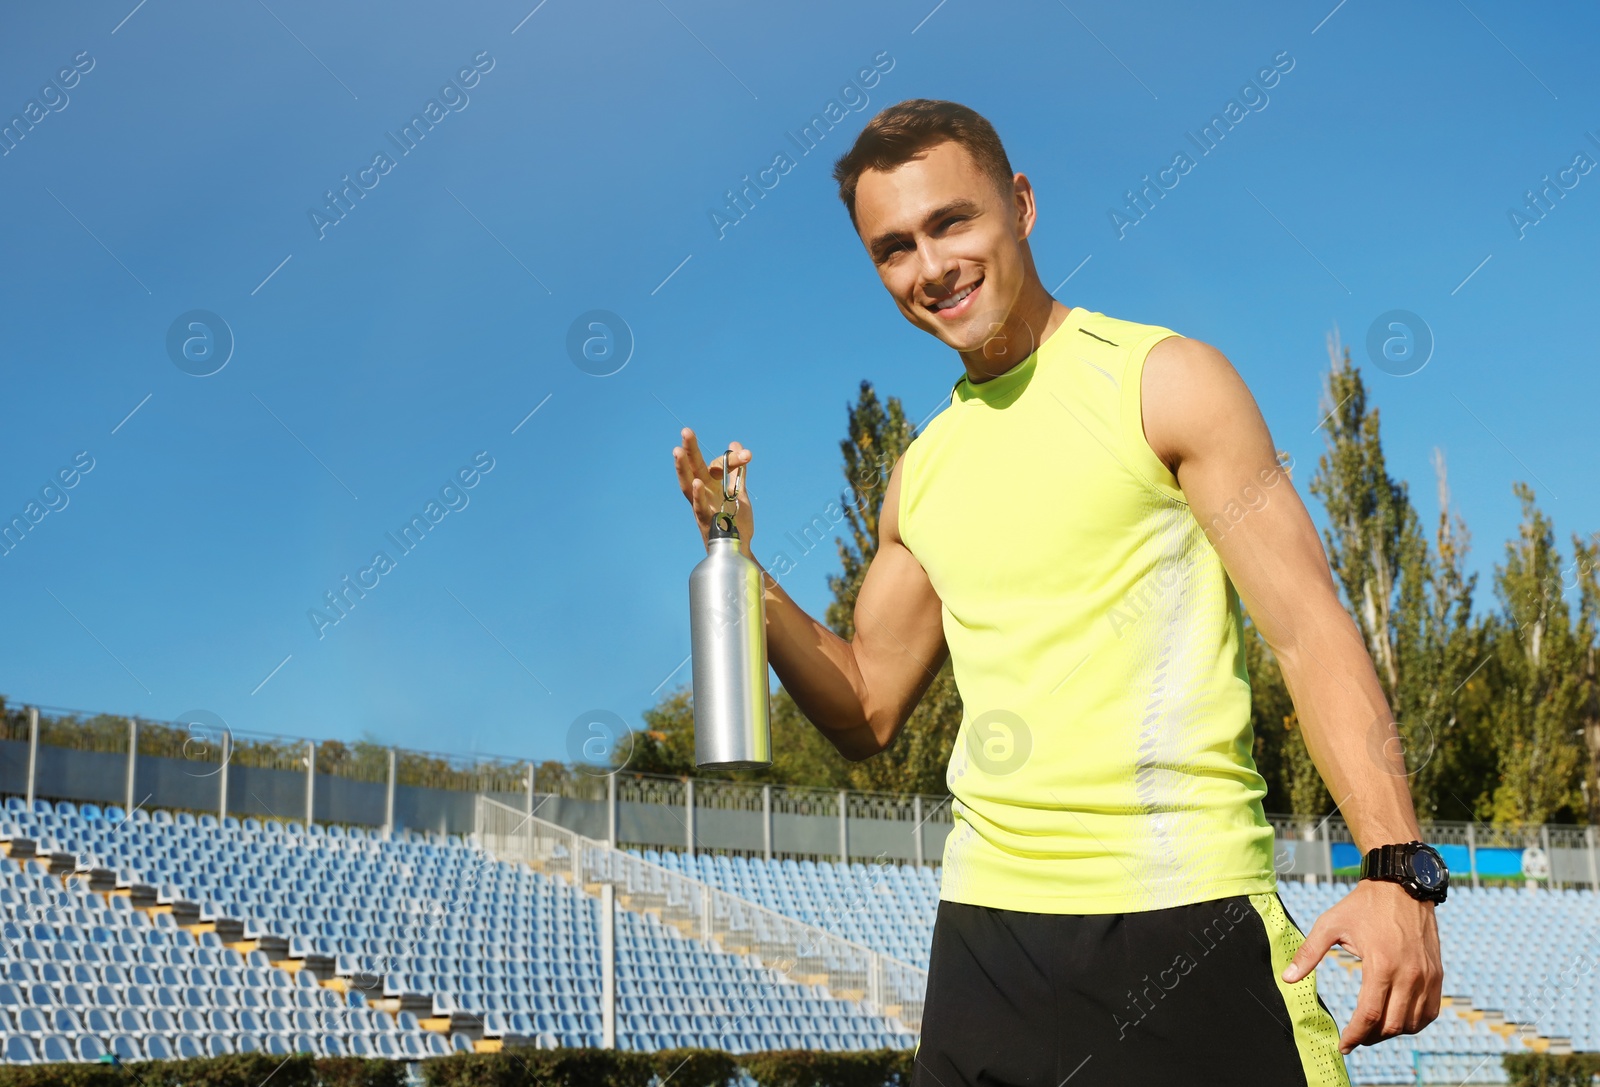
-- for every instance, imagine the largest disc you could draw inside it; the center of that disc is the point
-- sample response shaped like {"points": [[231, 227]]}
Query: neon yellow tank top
{"points": [[1103, 763]]}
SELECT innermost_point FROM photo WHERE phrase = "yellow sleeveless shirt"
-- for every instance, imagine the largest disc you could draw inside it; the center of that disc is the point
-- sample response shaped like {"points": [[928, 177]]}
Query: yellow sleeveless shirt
{"points": [[1103, 763]]}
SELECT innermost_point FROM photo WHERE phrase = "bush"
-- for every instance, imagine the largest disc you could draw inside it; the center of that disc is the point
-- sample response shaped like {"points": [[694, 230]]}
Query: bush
{"points": [[1543, 1070], [63, 1075], [805, 1068], [509, 1068], [524, 1067], [359, 1072], [685, 1067], [237, 1070]]}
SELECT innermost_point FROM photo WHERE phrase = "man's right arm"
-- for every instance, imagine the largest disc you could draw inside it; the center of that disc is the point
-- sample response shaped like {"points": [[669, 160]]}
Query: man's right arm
{"points": [[859, 693]]}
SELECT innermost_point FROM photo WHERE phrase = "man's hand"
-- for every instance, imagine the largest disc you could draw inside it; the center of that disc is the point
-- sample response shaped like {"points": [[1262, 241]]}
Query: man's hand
{"points": [[1397, 939], [702, 485]]}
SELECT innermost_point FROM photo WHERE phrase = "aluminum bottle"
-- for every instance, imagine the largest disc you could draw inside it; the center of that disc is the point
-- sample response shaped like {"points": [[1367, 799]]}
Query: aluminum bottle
{"points": [[728, 633]]}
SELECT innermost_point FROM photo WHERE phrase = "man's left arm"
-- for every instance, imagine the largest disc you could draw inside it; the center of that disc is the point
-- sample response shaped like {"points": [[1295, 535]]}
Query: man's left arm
{"points": [[1202, 422]]}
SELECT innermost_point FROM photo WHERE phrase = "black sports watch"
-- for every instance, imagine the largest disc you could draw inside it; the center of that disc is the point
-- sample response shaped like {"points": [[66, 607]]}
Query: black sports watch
{"points": [[1416, 866]]}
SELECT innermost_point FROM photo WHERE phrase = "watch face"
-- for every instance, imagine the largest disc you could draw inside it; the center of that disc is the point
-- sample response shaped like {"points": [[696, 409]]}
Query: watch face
{"points": [[1427, 870]]}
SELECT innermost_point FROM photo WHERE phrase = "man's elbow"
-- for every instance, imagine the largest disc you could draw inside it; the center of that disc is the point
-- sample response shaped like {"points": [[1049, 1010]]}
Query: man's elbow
{"points": [[871, 738], [860, 747]]}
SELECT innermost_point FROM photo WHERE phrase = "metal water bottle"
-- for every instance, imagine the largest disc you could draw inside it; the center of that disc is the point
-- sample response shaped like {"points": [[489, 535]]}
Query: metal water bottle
{"points": [[728, 633]]}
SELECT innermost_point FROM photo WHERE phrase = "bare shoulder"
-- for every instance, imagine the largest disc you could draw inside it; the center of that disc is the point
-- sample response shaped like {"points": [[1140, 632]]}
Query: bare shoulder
{"points": [[1191, 395], [889, 514]]}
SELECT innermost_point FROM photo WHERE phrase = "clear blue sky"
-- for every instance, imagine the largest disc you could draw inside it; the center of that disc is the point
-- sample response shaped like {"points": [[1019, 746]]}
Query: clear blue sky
{"points": [[580, 173]]}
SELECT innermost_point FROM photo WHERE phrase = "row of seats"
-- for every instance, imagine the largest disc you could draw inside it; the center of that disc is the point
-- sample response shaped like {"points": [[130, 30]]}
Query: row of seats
{"points": [[53, 1047], [39, 1021]]}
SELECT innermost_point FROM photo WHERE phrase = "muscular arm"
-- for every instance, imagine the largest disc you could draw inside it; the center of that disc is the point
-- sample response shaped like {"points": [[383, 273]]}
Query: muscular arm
{"points": [[1201, 420], [859, 693]]}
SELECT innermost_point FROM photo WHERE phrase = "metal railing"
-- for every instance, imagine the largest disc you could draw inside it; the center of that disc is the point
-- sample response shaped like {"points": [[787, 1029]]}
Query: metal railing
{"points": [[201, 764], [800, 952]]}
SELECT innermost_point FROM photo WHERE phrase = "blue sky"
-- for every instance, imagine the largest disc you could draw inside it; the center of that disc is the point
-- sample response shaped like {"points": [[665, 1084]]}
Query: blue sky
{"points": [[375, 356]]}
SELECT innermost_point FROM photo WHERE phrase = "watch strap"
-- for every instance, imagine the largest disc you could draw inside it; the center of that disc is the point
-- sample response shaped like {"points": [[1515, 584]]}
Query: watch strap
{"points": [[1389, 863]]}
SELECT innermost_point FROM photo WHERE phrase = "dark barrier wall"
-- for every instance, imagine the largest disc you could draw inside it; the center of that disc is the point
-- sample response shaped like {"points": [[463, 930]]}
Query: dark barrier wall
{"points": [[160, 782], [99, 777], [265, 793], [343, 800]]}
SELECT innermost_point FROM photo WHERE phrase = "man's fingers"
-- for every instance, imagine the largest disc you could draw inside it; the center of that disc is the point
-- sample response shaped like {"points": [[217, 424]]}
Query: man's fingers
{"points": [[1402, 1014], [1426, 999], [1408, 1002], [1321, 937], [691, 469], [1433, 998], [692, 485], [709, 471], [691, 449], [739, 457], [1367, 1021]]}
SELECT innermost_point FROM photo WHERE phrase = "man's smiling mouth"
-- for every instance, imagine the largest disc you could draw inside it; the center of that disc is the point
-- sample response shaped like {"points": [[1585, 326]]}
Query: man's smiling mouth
{"points": [[958, 302]]}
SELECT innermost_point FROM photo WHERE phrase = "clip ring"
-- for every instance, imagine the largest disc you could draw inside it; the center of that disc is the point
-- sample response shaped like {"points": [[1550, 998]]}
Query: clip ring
{"points": [[726, 495]]}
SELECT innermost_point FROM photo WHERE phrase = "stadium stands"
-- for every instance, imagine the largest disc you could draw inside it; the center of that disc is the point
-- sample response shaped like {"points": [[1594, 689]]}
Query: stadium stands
{"points": [[197, 936], [167, 934], [830, 895]]}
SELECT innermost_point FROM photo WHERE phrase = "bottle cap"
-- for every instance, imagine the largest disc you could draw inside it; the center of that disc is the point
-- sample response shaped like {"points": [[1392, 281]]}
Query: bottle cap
{"points": [[723, 527]]}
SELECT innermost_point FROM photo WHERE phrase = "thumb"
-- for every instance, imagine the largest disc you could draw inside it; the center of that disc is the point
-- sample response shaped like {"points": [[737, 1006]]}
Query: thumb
{"points": [[1316, 945]]}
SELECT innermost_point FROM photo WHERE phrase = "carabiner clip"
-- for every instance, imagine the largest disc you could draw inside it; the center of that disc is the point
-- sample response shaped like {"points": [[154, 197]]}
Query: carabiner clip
{"points": [[726, 495]]}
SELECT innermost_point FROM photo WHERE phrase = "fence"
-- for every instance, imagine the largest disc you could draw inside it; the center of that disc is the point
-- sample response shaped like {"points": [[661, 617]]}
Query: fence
{"points": [[203, 766], [803, 953], [770, 821]]}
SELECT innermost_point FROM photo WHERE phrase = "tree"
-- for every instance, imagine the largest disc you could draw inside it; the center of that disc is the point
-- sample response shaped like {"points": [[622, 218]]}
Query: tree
{"points": [[1412, 609], [919, 756], [1542, 689], [800, 754], [1586, 559], [1450, 680], [666, 744]]}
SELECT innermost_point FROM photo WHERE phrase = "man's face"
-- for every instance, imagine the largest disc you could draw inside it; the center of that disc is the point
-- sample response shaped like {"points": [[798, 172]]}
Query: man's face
{"points": [[936, 229]]}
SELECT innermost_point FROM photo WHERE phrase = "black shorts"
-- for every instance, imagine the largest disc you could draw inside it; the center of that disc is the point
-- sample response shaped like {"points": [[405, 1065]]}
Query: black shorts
{"points": [[1178, 997]]}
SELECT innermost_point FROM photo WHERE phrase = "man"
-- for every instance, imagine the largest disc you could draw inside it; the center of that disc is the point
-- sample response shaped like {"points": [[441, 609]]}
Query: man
{"points": [[1068, 530]]}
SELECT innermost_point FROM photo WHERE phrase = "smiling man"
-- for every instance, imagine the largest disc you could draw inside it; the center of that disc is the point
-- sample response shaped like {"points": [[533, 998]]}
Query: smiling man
{"points": [[1108, 913]]}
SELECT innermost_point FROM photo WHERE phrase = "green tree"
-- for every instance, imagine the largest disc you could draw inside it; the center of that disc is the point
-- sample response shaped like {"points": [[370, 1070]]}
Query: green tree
{"points": [[1541, 690], [666, 743], [800, 754], [1452, 685], [1585, 571], [1411, 607], [917, 759]]}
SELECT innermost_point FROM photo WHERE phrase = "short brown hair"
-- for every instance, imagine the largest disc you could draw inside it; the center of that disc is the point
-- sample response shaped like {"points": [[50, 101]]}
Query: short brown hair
{"points": [[899, 132]]}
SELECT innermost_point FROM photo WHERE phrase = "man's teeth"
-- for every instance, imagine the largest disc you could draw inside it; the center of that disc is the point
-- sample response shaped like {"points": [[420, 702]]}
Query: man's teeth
{"points": [[954, 299]]}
